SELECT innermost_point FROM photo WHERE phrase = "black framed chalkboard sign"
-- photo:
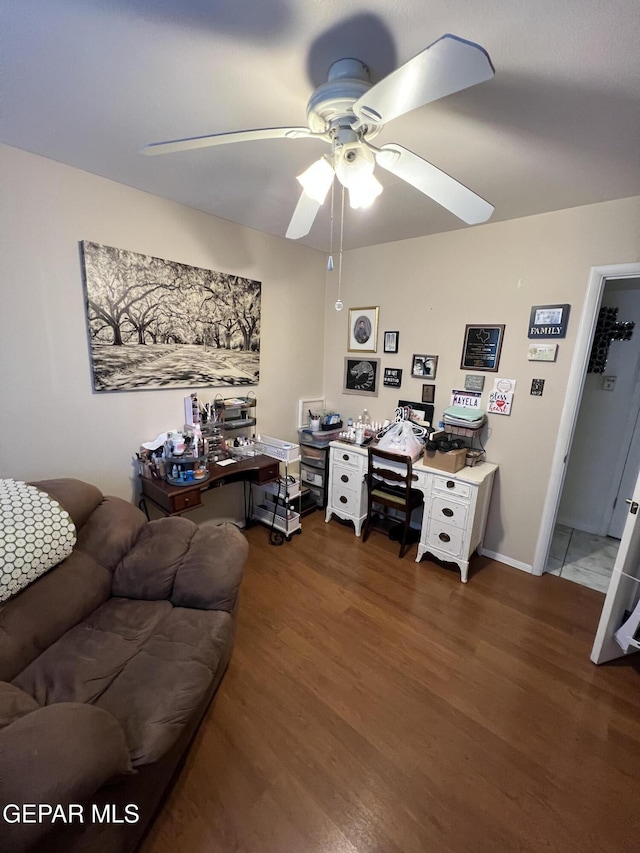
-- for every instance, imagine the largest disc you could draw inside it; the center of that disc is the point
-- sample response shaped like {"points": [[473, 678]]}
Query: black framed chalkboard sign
{"points": [[481, 349]]}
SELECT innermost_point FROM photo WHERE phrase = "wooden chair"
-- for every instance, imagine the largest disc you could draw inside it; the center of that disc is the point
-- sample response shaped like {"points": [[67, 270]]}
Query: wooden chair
{"points": [[391, 487]]}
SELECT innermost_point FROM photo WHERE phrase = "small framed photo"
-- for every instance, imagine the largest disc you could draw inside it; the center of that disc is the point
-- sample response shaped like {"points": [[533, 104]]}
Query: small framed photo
{"points": [[424, 366], [391, 341], [361, 376], [428, 393], [548, 321], [363, 329]]}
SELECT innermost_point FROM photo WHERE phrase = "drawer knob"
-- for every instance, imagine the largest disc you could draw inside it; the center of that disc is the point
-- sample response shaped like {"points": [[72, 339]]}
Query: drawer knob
{"points": [[186, 499], [343, 500], [345, 456], [344, 478], [451, 484], [448, 512], [444, 537]]}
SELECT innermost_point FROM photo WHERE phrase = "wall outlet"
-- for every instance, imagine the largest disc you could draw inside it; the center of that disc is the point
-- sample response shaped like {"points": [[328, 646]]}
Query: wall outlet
{"points": [[608, 383]]}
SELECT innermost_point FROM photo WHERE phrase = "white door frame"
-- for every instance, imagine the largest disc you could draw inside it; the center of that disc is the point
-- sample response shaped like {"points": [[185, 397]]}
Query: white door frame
{"points": [[573, 397]]}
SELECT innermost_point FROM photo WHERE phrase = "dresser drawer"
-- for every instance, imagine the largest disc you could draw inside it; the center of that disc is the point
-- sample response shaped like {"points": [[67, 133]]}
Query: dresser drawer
{"points": [[451, 487], [346, 478], [445, 538], [446, 511]]}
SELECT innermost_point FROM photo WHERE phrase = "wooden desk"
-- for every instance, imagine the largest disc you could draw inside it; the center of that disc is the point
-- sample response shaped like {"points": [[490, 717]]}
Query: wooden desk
{"points": [[174, 500]]}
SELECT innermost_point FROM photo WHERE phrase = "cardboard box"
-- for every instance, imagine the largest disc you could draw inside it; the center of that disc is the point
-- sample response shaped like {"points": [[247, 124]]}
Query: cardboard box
{"points": [[451, 461]]}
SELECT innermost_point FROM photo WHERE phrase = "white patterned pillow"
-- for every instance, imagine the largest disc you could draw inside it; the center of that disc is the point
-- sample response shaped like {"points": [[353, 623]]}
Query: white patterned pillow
{"points": [[36, 533]]}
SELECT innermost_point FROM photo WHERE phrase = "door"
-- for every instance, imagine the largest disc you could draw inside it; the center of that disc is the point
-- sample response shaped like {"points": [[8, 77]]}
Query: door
{"points": [[619, 515], [615, 635]]}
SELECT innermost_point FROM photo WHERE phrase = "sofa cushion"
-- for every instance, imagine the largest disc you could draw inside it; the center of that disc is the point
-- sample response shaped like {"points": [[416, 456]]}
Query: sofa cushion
{"points": [[14, 703], [36, 533], [39, 615], [146, 662]]}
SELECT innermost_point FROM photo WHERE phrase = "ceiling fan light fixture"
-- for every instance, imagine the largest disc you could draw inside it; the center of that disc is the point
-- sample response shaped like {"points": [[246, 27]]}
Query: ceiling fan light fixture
{"points": [[364, 192], [317, 180]]}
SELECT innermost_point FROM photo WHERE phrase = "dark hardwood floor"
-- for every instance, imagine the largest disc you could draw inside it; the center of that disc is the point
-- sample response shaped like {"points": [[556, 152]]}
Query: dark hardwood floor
{"points": [[377, 705]]}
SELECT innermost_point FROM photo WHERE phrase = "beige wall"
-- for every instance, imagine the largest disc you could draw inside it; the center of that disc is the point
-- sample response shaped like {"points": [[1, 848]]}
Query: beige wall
{"points": [[429, 288], [51, 422]]}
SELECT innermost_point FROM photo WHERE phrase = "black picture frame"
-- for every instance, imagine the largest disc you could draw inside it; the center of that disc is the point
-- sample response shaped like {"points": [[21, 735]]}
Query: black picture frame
{"points": [[391, 341], [428, 393], [392, 377], [548, 321], [481, 348], [361, 376]]}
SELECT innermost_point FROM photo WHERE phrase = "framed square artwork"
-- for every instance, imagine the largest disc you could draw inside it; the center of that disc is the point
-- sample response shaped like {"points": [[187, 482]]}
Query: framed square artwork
{"points": [[424, 366], [361, 376]]}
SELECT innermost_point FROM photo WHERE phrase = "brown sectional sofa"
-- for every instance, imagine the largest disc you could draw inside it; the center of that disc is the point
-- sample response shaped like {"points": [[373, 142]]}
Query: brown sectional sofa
{"points": [[107, 664]]}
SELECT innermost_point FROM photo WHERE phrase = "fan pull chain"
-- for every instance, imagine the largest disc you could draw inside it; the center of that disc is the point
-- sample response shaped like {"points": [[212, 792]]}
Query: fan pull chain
{"points": [[339, 304]]}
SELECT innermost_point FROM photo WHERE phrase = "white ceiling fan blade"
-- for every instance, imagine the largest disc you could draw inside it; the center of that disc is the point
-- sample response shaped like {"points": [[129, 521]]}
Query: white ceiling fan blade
{"points": [[303, 217], [447, 66], [227, 138], [435, 183]]}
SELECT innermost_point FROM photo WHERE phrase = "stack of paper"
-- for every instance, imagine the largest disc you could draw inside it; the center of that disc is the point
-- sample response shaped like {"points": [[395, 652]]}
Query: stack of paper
{"points": [[462, 417]]}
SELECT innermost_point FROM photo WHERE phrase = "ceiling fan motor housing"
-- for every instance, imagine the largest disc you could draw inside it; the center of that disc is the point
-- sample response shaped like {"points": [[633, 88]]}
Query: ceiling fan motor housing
{"points": [[331, 105]]}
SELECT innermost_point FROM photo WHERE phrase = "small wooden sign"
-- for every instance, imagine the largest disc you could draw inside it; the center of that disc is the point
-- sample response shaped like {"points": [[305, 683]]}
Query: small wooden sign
{"points": [[392, 377]]}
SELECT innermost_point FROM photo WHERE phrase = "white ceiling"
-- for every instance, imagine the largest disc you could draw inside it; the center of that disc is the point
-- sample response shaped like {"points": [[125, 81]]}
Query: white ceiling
{"points": [[88, 82]]}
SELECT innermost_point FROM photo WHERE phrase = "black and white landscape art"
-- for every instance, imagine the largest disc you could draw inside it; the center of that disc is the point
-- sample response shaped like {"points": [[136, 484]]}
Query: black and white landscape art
{"points": [[161, 324]]}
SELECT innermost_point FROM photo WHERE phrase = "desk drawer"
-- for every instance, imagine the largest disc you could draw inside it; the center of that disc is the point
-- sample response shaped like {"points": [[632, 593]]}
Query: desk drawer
{"points": [[345, 500], [268, 473], [446, 511], [187, 500], [346, 478], [347, 457], [445, 538], [451, 486]]}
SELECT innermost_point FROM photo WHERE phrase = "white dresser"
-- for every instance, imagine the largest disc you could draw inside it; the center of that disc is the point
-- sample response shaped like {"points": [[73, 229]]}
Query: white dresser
{"points": [[455, 505]]}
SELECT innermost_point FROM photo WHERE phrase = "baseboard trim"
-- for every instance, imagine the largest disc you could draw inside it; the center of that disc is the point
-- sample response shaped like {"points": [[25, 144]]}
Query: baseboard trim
{"points": [[501, 558]]}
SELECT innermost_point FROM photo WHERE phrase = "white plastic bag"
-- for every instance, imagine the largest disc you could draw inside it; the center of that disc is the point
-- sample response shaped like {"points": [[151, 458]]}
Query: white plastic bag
{"points": [[400, 438]]}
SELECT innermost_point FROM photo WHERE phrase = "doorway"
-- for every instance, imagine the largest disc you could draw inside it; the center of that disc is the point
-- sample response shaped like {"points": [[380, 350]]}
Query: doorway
{"points": [[597, 444], [604, 458]]}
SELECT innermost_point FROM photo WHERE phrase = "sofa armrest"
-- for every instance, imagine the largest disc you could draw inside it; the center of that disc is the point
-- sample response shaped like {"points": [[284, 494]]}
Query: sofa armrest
{"points": [[58, 754], [209, 576]]}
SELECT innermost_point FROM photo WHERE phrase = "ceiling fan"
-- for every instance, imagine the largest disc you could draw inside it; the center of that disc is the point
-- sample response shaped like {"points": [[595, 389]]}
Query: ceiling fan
{"points": [[348, 112]]}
